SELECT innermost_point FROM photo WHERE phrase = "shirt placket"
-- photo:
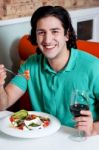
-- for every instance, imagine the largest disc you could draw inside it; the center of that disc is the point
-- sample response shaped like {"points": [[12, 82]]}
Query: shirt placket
{"points": [[53, 93]]}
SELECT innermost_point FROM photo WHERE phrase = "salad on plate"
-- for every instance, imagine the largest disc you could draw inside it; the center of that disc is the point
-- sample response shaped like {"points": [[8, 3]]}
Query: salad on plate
{"points": [[24, 120]]}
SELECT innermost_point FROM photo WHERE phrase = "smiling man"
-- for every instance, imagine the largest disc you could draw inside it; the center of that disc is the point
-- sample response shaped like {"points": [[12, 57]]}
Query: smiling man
{"points": [[55, 71]]}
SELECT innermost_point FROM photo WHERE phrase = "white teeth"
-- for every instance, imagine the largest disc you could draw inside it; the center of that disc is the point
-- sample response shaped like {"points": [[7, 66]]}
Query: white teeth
{"points": [[49, 47]]}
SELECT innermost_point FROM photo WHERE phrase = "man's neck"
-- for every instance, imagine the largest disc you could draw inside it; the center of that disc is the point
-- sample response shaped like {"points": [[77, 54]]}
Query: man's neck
{"points": [[59, 62]]}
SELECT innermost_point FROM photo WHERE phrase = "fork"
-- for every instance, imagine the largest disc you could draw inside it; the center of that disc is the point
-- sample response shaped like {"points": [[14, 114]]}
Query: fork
{"points": [[16, 74], [27, 76]]}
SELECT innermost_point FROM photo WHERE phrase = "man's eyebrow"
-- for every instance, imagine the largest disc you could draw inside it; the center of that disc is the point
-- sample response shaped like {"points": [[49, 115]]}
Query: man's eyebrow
{"points": [[39, 29], [50, 29], [55, 29]]}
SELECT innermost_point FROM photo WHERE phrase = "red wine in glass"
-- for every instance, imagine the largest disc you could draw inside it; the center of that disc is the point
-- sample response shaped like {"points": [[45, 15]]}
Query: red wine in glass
{"points": [[76, 108]]}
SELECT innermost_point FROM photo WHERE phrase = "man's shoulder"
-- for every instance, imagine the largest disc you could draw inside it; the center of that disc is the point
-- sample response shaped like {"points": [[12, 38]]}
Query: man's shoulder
{"points": [[87, 56], [86, 60], [89, 61]]}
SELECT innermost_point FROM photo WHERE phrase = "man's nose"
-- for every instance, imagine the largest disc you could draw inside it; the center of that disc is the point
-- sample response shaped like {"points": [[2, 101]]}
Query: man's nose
{"points": [[48, 38]]}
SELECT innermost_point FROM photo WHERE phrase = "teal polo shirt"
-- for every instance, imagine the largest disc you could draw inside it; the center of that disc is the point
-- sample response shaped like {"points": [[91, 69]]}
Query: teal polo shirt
{"points": [[50, 91]]}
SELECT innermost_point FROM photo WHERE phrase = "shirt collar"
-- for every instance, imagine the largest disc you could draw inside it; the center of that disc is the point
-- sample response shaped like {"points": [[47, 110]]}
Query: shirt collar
{"points": [[70, 65], [47, 67], [72, 60]]}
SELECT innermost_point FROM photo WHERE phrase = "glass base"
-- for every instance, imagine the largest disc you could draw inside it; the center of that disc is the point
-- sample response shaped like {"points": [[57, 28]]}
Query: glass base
{"points": [[78, 137]]}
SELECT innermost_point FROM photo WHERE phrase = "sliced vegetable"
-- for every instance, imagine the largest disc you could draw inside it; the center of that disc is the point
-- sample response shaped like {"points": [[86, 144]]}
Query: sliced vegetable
{"points": [[46, 123], [19, 115], [34, 125], [27, 74]]}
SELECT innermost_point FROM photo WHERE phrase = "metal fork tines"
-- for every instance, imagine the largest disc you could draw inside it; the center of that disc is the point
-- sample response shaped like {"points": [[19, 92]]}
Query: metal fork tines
{"points": [[13, 72], [10, 71]]}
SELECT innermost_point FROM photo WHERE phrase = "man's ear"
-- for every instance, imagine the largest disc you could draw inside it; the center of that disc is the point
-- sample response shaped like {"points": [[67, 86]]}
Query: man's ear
{"points": [[66, 38], [67, 35]]}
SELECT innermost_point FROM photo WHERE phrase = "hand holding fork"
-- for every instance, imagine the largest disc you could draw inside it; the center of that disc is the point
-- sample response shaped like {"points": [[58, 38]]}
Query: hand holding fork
{"points": [[3, 74]]}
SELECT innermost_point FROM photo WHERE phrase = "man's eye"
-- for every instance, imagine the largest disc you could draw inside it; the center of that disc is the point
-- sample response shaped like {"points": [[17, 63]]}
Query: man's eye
{"points": [[40, 33], [55, 32]]}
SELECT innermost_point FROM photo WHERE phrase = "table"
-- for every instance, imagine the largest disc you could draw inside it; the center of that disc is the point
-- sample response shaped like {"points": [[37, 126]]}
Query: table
{"points": [[58, 141]]}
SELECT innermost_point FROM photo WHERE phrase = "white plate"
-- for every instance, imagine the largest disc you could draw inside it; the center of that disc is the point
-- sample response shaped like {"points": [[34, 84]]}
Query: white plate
{"points": [[52, 128]]}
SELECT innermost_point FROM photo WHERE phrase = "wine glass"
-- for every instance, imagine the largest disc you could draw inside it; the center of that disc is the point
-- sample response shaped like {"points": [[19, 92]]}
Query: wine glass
{"points": [[79, 101]]}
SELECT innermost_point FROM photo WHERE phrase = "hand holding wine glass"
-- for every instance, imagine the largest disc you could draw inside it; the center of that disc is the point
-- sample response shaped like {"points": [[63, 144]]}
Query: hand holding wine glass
{"points": [[79, 101]]}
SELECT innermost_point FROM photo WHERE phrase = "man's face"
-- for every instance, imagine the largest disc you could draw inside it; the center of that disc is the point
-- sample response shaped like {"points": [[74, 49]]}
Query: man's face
{"points": [[50, 37]]}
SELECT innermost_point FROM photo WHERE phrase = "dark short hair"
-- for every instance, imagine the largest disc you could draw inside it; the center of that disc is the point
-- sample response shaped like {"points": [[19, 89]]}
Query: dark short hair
{"points": [[58, 12]]}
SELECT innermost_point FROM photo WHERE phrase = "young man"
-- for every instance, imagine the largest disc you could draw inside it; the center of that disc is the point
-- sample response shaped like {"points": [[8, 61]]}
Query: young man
{"points": [[56, 70]]}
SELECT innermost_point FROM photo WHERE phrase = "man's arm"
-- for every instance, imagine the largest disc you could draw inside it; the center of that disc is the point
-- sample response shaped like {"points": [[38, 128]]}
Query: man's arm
{"points": [[9, 95]]}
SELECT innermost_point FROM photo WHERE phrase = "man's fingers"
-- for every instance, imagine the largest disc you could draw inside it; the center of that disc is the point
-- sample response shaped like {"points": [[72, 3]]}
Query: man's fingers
{"points": [[85, 112]]}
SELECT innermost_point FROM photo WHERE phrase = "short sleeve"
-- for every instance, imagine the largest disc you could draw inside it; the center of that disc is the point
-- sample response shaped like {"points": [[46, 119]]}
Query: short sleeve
{"points": [[19, 80]]}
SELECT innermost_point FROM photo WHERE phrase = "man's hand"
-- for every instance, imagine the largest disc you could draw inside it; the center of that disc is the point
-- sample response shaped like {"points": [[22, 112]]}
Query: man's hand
{"points": [[2, 75], [85, 122]]}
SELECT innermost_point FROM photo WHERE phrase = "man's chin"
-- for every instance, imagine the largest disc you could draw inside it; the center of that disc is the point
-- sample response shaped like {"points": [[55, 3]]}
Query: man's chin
{"points": [[50, 57]]}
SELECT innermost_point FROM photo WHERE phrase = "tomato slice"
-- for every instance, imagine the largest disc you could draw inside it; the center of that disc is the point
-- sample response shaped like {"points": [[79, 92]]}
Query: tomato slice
{"points": [[12, 119], [46, 123], [27, 74], [21, 127]]}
